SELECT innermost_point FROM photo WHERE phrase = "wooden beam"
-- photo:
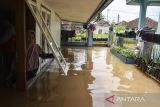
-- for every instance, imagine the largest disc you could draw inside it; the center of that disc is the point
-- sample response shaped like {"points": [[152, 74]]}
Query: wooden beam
{"points": [[20, 46]]}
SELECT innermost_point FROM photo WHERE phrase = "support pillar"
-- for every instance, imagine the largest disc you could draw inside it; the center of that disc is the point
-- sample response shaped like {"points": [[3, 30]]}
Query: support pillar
{"points": [[20, 46], [157, 47], [142, 14], [142, 24], [158, 28], [90, 38]]}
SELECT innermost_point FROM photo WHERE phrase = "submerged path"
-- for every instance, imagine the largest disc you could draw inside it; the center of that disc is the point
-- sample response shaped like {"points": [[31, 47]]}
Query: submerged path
{"points": [[94, 74]]}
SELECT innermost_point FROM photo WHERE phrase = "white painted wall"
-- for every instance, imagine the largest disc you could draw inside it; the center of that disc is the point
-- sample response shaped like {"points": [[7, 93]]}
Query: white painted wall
{"points": [[56, 28], [55, 25], [104, 29]]}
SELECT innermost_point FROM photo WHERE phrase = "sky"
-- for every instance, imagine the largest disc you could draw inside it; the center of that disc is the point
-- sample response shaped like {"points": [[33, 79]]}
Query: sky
{"points": [[128, 12]]}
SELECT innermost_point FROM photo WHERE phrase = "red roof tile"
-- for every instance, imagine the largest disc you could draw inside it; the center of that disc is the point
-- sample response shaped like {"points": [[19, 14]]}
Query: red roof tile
{"points": [[134, 23]]}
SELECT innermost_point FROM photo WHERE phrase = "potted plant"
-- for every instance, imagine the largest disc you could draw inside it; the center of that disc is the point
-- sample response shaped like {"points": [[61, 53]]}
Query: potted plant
{"points": [[138, 61], [123, 54]]}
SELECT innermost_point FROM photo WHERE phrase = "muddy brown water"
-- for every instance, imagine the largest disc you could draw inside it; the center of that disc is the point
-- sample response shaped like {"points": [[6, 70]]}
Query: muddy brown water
{"points": [[94, 75]]}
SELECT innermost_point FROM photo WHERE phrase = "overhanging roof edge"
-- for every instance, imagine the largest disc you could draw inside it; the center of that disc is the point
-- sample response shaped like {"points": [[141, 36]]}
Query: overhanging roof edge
{"points": [[100, 8]]}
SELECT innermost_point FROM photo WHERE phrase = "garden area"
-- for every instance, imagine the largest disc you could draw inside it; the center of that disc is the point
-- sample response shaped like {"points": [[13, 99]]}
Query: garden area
{"points": [[80, 36], [100, 37], [125, 37], [124, 45], [100, 40], [124, 54], [130, 43], [74, 38], [146, 57]]}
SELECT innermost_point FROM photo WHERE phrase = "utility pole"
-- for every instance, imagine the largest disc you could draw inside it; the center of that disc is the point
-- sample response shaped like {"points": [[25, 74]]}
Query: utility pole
{"points": [[118, 19], [107, 15], [158, 29]]}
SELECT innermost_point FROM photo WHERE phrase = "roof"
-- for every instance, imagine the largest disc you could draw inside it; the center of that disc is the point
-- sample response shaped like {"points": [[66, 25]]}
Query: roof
{"points": [[148, 2], [134, 23], [103, 23], [81, 11]]}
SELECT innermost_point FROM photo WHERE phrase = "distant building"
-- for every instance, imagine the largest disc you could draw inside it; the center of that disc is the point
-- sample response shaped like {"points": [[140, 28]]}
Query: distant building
{"points": [[102, 27], [134, 23], [71, 26]]}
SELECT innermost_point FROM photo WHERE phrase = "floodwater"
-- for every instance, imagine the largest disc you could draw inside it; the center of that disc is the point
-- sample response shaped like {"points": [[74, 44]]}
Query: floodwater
{"points": [[94, 75]]}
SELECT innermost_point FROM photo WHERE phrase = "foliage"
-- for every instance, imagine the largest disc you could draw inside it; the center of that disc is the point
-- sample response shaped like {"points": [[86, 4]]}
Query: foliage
{"points": [[124, 52], [100, 36], [156, 55], [99, 17], [118, 49], [129, 41], [127, 53], [120, 29], [75, 39], [80, 36], [82, 33]]}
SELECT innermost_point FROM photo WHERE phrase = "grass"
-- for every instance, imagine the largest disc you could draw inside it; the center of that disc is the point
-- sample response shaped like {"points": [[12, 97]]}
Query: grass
{"points": [[130, 46], [129, 41], [100, 36], [76, 39]]}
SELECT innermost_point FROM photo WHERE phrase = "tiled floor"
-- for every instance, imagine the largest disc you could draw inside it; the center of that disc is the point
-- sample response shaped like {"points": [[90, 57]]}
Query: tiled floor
{"points": [[94, 75]]}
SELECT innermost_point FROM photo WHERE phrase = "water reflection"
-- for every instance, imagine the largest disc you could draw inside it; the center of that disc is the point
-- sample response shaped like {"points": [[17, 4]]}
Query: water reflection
{"points": [[105, 81], [79, 59], [97, 65], [93, 73]]}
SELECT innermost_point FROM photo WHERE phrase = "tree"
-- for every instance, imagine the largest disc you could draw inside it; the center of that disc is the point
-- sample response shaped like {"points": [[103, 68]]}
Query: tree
{"points": [[120, 29], [99, 17]]}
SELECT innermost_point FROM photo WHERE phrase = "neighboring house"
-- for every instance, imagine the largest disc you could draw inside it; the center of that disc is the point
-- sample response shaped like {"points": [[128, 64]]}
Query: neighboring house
{"points": [[134, 23], [102, 27], [71, 26]]}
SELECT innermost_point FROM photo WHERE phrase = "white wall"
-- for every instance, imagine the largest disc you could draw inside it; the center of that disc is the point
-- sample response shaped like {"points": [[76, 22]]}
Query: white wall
{"points": [[56, 28], [104, 29], [55, 25]]}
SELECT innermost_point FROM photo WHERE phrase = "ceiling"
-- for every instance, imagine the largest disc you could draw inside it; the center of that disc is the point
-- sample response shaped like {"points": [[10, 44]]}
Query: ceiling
{"points": [[75, 10]]}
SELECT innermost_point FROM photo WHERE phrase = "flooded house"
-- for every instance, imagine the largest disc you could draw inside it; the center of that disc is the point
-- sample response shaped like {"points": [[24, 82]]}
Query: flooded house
{"points": [[36, 71]]}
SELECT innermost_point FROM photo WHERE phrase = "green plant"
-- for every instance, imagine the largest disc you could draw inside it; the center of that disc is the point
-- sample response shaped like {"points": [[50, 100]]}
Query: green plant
{"points": [[120, 29], [127, 53], [157, 63], [69, 39], [124, 52], [99, 17], [100, 36], [82, 33], [129, 41], [117, 48]]}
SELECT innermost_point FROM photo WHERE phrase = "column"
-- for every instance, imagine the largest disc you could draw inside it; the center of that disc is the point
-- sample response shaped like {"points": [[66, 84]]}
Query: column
{"points": [[142, 14], [90, 38], [158, 28]]}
